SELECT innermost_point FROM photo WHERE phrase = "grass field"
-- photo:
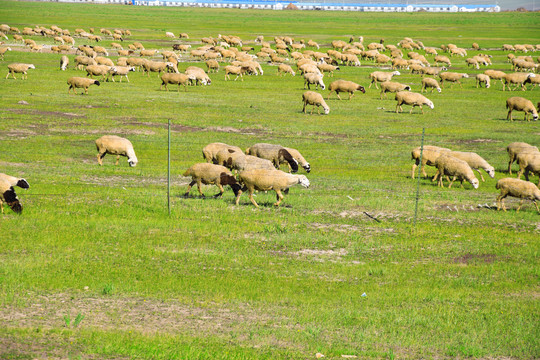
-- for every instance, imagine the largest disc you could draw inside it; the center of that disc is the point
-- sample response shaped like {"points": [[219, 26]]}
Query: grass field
{"points": [[96, 268]]}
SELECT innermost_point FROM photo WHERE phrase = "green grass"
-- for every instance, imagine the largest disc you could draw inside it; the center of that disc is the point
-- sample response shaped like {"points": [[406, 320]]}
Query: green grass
{"points": [[219, 281]]}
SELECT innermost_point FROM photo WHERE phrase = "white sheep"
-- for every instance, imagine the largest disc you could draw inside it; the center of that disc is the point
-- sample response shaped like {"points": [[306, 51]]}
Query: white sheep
{"points": [[451, 166], [64, 62], [518, 79], [101, 60], [212, 65], [392, 87], [239, 71], [412, 98], [299, 158], [3, 50], [205, 173], [430, 83], [115, 145], [79, 82], [239, 161], [97, 70], [315, 99], [211, 150], [381, 76], [344, 86], [313, 78], [285, 69], [528, 162], [483, 78], [122, 71], [475, 161], [442, 59], [277, 154], [19, 68], [517, 188], [173, 78], [452, 77], [521, 104], [514, 149], [199, 74], [265, 180], [81, 61], [324, 67], [429, 154]]}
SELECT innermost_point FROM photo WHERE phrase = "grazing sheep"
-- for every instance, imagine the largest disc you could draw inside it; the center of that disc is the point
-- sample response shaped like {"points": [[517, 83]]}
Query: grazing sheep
{"points": [[158, 66], [100, 60], [315, 99], [277, 154], [452, 77], [430, 83], [120, 70], [472, 62], [429, 155], [265, 180], [411, 98], [97, 70], [381, 76], [18, 68], [521, 104], [179, 79], [285, 69], [199, 74], [211, 150], [327, 68], [344, 86], [496, 75], [212, 65], [3, 50], [516, 148], [432, 70], [528, 162], [518, 79], [457, 168], [8, 195], [312, 78], [475, 161], [81, 61], [392, 87], [170, 35], [64, 62], [239, 71], [205, 173], [79, 82], [442, 59], [239, 161], [115, 145], [482, 78], [299, 158], [517, 188]]}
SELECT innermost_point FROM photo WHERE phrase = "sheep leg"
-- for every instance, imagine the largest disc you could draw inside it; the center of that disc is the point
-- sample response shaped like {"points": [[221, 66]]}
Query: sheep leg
{"points": [[117, 159], [351, 95], [221, 190], [451, 182], [520, 172], [238, 197], [279, 196], [535, 204], [500, 200], [186, 194], [481, 177], [252, 199], [199, 186], [509, 115], [520, 205], [100, 157], [2, 206]]}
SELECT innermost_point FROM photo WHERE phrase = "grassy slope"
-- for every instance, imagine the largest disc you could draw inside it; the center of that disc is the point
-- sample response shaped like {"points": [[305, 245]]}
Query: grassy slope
{"points": [[215, 280]]}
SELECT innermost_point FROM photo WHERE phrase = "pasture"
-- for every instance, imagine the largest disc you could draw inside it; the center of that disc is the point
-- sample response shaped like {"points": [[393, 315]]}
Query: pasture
{"points": [[96, 268]]}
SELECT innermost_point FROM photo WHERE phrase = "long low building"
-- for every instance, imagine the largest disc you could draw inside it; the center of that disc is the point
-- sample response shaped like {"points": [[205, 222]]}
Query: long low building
{"points": [[296, 5]]}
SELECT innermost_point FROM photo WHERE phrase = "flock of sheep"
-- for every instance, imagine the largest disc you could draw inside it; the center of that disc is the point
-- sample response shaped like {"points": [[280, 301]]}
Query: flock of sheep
{"points": [[258, 167]]}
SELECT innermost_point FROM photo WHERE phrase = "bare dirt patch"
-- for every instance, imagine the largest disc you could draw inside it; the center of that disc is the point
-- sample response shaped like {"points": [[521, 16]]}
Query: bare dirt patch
{"points": [[475, 258], [46, 113]]}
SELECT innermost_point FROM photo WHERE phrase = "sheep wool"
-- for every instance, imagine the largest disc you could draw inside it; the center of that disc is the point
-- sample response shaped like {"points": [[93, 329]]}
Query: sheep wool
{"points": [[521, 104], [277, 154], [115, 145], [412, 98], [344, 86], [514, 149], [459, 169], [315, 99], [521, 189], [208, 174]]}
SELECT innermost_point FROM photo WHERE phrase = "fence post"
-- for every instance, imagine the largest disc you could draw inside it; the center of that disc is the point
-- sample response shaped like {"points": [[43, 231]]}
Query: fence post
{"points": [[418, 176], [169, 169]]}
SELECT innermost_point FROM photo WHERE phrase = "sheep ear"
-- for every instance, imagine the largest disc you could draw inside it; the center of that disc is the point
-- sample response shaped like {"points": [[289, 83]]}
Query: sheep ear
{"points": [[231, 151]]}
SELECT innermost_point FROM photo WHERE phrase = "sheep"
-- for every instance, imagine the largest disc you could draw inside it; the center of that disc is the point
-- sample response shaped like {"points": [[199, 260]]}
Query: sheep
{"points": [[432, 83], [19, 68], [344, 86], [528, 162], [81, 61], [299, 159], [521, 104], [517, 188], [411, 98], [472, 62], [518, 79], [115, 145], [496, 75], [79, 82], [327, 68], [199, 74], [239, 71], [399, 63], [429, 154], [275, 153], [392, 87], [312, 78], [210, 151], [312, 43], [64, 62], [8, 195], [265, 180], [452, 77], [515, 148], [100, 60], [285, 69], [315, 99], [309, 68], [475, 161], [457, 168], [172, 78], [381, 76], [205, 173], [170, 35], [138, 63], [482, 78], [119, 70], [442, 59], [97, 70], [3, 50], [239, 161], [213, 65], [158, 66]]}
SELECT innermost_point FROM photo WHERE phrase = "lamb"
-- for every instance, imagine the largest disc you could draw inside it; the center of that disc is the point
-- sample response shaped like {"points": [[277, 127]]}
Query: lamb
{"points": [[79, 82], [265, 180], [452, 77], [120, 70], [315, 99], [3, 50], [312, 78], [381, 76], [459, 169], [517, 188], [64, 62], [205, 173], [299, 158], [521, 104], [172, 78], [482, 78], [514, 149], [411, 98], [475, 161], [432, 83], [275, 153], [210, 151], [115, 145], [285, 69], [97, 70], [19, 68], [429, 155], [392, 87], [528, 162], [518, 79], [344, 86]]}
